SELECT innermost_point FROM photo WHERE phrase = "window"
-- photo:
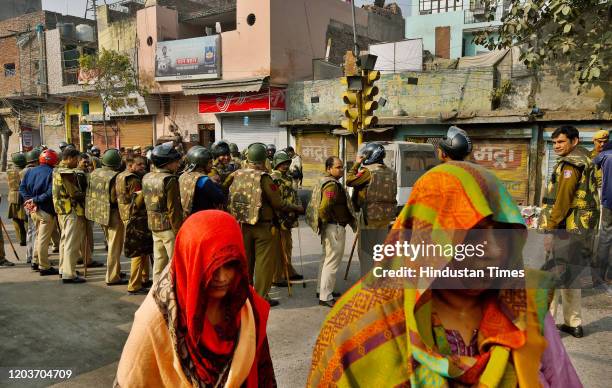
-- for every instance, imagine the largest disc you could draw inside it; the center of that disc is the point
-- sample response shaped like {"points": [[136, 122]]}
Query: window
{"points": [[9, 69], [427, 7]]}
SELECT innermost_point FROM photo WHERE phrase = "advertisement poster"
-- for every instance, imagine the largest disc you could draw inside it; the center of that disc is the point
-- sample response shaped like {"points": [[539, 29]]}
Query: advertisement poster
{"points": [[186, 59]]}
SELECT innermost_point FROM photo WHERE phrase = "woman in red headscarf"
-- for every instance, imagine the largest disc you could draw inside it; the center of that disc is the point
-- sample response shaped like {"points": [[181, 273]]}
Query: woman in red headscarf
{"points": [[201, 325]]}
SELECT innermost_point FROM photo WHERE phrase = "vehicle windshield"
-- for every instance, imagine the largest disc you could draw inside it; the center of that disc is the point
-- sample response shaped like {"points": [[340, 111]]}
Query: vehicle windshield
{"points": [[414, 164]]}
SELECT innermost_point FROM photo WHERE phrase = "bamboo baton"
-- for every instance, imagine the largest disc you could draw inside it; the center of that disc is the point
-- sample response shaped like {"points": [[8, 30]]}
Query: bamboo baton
{"points": [[348, 266], [10, 241]]}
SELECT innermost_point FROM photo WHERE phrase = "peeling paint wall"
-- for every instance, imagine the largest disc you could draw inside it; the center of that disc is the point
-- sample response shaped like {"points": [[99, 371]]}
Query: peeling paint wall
{"points": [[435, 93]]}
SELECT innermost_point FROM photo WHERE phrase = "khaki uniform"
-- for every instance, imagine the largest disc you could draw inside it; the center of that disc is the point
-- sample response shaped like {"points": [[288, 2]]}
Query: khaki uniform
{"points": [[254, 198], [16, 212], [101, 206], [328, 213], [69, 204], [164, 214], [374, 193], [571, 204], [138, 245], [286, 222]]}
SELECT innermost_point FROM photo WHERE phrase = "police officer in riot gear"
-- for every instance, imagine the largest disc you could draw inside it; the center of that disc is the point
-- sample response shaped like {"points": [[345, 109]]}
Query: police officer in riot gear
{"points": [[374, 194], [198, 191]]}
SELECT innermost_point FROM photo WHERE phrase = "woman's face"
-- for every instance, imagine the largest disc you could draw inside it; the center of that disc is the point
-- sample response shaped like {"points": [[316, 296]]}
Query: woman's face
{"points": [[222, 281]]}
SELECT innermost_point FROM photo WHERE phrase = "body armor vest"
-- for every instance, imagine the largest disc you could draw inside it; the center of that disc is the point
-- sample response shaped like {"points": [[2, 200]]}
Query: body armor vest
{"points": [[124, 197], [62, 203], [246, 198], [14, 180], [187, 186], [312, 211], [98, 200], [287, 220], [153, 188], [380, 199], [584, 209]]}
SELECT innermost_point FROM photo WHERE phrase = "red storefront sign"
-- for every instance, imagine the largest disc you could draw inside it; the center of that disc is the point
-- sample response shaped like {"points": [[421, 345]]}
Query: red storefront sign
{"points": [[267, 99]]}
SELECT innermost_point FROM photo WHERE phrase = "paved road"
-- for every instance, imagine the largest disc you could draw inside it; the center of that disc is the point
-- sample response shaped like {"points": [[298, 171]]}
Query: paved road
{"points": [[45, 324]]}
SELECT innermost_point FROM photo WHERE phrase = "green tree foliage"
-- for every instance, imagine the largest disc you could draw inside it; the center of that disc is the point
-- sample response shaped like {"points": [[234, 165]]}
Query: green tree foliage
{"points": [[113, 78], [550, 32]]}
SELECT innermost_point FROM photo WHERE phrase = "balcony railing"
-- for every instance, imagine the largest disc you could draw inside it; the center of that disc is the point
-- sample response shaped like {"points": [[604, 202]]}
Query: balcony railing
{"points": [[478, 14]]}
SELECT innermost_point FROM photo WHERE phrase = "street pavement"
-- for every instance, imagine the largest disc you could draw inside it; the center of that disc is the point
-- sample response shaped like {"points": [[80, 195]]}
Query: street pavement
{"points": [[48, 325]]}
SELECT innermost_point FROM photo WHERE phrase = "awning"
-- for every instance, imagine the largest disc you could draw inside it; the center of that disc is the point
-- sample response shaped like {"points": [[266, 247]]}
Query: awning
{"points": [[344, 132], [225, 86]]}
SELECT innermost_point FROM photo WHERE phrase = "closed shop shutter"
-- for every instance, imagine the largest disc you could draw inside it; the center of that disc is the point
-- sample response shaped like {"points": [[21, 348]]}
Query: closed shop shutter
{"points": [[98, 138], [136, 132], [315, 148], [53, 136], [509, 160], [259, 129]]}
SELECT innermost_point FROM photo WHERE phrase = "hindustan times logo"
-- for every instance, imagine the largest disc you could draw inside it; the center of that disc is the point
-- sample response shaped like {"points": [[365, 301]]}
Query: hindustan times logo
{"points": [[413, 251]]}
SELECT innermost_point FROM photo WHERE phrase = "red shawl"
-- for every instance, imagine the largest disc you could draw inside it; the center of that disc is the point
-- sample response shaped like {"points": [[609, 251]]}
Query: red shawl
{"points": [[206, 241]]}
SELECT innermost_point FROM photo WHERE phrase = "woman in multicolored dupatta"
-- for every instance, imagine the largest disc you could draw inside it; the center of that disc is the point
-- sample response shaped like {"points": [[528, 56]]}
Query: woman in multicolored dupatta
{"points": [[431, 337], [201, 325]]}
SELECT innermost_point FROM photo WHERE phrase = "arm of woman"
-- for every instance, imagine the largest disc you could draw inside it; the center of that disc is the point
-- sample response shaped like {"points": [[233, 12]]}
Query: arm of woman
{"points": [[556, 368]]}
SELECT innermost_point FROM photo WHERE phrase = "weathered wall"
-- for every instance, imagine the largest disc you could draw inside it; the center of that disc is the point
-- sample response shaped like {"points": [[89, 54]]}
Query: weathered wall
{"points": [[116, 31], [435, 93], [184, 114], [11, 9]]}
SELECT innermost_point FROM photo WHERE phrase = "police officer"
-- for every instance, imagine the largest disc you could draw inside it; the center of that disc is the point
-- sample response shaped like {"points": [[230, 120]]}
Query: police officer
{"points": [[270, 151], [456, 145], [32, 161], [221, 170], [329, 211], [600, 138], [254, 198], [286, 219], [374, 194], [69, 204], [569, 215], [138, 244], [94, 153], [102, 207], [163, 202], [236, 162], [198, 191], [16, 211]]}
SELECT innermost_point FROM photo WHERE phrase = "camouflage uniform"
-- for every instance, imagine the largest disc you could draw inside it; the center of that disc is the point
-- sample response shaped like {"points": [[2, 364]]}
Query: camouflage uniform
{"points": [[374, 192], [254, 198], [236, 163], [138, 245], [286, 221], [69, 204], [164, 213], [16, 212], [221, 174], [329, 211], [571, 204], [101, 206]]}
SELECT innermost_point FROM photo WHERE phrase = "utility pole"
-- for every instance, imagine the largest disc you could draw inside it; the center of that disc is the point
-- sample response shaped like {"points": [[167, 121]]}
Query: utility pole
{"points": [[92, 8], [356, 47]]}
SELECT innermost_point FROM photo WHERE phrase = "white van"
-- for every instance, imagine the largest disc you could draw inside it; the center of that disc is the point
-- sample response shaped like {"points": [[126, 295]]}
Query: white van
{"points": [[410, 161]]}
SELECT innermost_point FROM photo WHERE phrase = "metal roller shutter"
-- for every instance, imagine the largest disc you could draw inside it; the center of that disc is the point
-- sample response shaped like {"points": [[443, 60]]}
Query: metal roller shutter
{"points": [[259, 129], [136, 132]]}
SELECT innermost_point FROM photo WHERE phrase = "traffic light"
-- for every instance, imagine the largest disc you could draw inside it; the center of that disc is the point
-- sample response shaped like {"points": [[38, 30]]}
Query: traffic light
{"points": [[368, 105], [352, 99]]}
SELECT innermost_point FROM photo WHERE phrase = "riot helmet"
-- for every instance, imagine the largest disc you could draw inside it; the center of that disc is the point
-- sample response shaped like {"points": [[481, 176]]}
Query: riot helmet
{"points": [[32, 156], [220, 148], [62, 145], [270, 151], [280, 157], [373, 153], [256, 153], [19, 159], [112, 158], [164, 154], [197, 157], [457, 144], [95, 151], [234, 149]]}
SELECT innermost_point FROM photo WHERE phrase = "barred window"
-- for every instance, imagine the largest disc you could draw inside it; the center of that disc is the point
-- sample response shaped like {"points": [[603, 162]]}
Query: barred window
{"points": [[9, 69], [439, 6]]}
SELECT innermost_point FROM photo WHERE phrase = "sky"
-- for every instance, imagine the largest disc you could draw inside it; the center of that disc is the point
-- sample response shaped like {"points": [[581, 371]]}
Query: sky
{"points": [[77, 7]]}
